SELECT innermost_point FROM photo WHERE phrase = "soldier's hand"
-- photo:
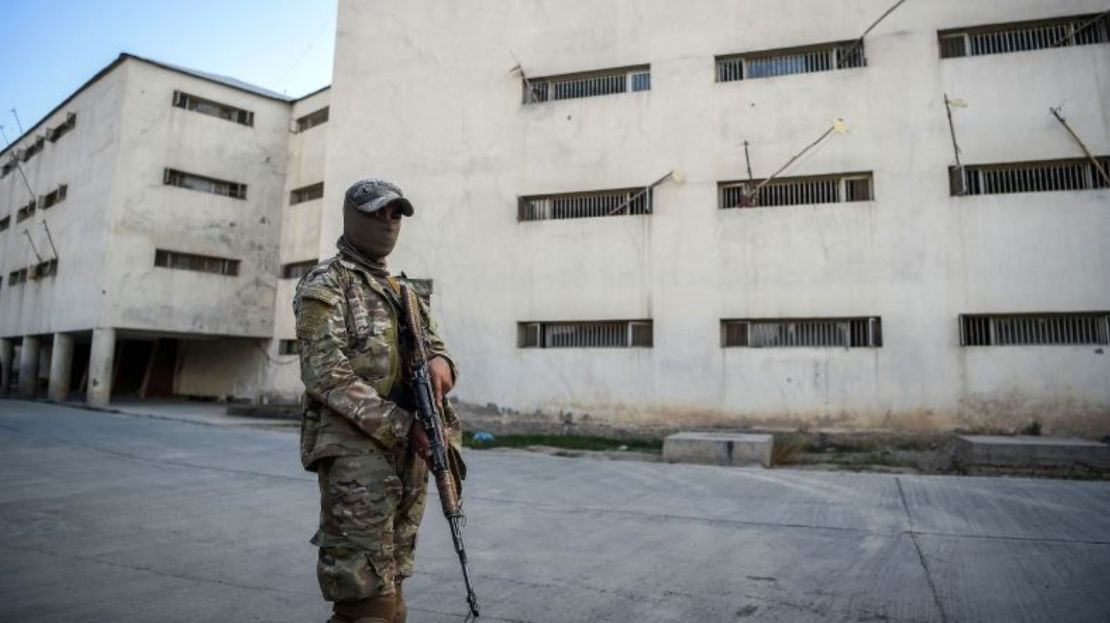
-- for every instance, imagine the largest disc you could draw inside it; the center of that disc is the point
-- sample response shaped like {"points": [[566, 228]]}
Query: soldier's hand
{"points": [[442, 380], [419, 440]]}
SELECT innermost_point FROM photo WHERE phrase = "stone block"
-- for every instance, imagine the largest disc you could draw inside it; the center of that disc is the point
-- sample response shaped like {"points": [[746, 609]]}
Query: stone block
{"points": [[989, 451], [718, 449]]}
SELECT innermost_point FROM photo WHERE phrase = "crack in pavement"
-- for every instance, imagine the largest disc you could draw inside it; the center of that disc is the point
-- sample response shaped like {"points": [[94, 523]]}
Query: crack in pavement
{"points": [[920, 554]]}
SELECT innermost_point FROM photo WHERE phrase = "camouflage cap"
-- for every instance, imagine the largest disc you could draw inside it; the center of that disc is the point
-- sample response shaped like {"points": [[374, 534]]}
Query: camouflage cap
{"points": [[371, 195]]}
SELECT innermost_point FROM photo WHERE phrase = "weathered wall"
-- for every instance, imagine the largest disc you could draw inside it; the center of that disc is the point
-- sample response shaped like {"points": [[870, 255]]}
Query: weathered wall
{"points": [[300, 234], [423, 95], [222, 369], [147, 214], [84, 159]]}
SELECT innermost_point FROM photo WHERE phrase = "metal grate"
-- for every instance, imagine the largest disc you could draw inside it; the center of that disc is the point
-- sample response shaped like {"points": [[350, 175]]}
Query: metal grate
{"points": [[25, 212], [1028, 177], [787, 61], [212, 108], [601, 334], [17, 277], [588, 84], [787, 191], [1035, 329], [45, 269], [1047, 329], [57, 132], [306, 193], [35, 148], [297, 270], [1024, 36], [585, 205], [312, 119], [863, 332], [235, 190], [199, 263], [53, 197]]}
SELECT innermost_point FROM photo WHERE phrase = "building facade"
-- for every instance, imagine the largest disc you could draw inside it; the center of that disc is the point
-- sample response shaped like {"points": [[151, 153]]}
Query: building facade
{"points": [[144, 225], [604, 207]]}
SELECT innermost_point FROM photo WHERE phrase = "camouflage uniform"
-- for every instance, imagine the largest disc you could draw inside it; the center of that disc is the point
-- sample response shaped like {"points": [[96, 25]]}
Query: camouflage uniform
{"points": [[355, 431]]}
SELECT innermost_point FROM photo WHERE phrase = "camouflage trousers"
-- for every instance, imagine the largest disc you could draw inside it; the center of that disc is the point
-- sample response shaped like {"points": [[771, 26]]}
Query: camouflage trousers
{"points": [[370, 511]]}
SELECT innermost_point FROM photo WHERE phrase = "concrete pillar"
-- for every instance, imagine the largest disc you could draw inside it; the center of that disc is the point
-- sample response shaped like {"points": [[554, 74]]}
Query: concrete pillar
{"points": [[101, 364], [61, 364], [29, 365], [7, 347]]}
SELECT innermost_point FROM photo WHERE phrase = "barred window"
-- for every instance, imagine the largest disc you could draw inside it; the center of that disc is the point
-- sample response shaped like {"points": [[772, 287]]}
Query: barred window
{"points": [[585, 204], [786, 61], [860, 332], [1028, 177], [1024, 36], [312, 119], [25, 212], [44, 269], [297, 270], [1045, 329], [288, 347], [35, 148], [600, 334], [785, 191], [587, 84], [211, 108], [53, 197], [199, 263], [306, 193], [56, 133], [5, 223], [235, 190], [17, 277]]}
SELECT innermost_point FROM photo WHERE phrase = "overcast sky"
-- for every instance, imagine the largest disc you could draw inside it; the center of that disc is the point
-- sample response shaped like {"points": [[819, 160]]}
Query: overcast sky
{"points": [[49, 48]]}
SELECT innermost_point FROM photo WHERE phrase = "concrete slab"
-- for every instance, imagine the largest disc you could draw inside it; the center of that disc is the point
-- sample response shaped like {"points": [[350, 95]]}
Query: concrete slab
{"points": [[983, 452], [107, 517], [718, 448]]}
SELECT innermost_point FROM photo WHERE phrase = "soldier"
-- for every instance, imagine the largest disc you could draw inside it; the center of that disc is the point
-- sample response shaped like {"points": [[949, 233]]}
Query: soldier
{"points": [[357, 429]]}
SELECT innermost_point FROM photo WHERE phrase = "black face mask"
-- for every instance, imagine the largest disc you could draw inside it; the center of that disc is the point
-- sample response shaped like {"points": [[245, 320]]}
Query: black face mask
{"points": [[374, 236]]}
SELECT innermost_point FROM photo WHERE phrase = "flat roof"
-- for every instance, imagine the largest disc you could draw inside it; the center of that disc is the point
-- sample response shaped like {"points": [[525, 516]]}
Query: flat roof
{"points": [[203, 75]]}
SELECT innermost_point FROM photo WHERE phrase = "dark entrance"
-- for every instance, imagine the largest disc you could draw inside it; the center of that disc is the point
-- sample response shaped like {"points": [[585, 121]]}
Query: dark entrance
{"points": [[79, 372], [145, 368]]}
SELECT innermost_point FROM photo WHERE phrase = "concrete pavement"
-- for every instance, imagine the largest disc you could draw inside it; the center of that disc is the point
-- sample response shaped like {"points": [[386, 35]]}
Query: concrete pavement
{"points": [[112, 517]]}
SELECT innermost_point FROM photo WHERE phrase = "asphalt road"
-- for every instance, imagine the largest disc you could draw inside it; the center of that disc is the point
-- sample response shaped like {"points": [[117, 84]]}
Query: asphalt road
{"points": [[119, 518]]}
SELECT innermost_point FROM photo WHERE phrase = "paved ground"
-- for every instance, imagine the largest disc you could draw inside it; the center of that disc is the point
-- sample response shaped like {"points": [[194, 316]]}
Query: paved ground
{"points": [[111, 517]]}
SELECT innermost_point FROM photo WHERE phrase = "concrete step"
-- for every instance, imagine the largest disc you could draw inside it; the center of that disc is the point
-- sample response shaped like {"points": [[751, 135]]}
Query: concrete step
{"points": [[987, 453], [718, 448]]}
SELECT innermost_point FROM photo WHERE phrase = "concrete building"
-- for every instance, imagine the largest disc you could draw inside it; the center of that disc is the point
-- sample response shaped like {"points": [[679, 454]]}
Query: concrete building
{"points": [[143, 227], [870, 283]]}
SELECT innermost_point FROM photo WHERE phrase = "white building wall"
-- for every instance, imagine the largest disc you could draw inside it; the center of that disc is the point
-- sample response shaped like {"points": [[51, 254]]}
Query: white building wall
{"points": [[147, 214], [84, 159], [427, 98], [300, 234]]}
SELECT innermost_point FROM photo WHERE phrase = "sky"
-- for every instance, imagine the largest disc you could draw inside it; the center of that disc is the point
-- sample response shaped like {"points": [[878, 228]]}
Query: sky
{"points": [[49, 48]]}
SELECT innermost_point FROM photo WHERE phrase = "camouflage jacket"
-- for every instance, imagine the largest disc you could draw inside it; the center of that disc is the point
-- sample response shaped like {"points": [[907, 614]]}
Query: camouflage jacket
{"points": [[349, 329]]}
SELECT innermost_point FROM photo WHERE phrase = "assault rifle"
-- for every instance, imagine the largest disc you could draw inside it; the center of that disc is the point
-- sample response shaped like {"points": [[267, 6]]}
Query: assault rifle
{"points": [[429, 418]]}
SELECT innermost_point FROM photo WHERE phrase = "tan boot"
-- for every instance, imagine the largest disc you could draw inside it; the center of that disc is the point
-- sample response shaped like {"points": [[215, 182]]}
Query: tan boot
{"points": [[381, 609]]}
